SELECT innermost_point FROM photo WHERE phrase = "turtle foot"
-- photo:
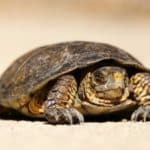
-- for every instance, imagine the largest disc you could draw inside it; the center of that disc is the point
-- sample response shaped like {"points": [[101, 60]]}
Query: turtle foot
{"points": [[60, 115], [142, 113]]}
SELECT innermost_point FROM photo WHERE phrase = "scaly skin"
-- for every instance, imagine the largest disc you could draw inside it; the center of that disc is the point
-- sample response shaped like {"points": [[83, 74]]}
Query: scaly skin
{"points": [[59, 104], [140, 87], [103, 87]]}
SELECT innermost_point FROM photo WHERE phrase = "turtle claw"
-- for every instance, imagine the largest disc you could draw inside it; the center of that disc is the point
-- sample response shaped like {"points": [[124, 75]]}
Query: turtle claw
{"points": [[76, 115], [142, 113], [60, 115]]}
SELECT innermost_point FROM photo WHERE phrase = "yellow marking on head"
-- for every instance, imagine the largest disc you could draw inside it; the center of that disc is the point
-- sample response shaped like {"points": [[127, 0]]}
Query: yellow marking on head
{"points": [[118, 76]]}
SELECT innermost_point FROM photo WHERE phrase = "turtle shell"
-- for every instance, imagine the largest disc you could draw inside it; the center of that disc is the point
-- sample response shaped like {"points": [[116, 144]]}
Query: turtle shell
{"points": [[35, 69]]}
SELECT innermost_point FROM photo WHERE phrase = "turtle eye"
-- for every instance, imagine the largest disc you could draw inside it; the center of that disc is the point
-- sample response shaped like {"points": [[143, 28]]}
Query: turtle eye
{"points": [[99, 78]]}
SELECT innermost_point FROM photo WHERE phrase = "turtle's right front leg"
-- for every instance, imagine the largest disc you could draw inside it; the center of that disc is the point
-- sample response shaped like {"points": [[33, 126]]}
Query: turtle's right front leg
{"points": [[58, 107]]}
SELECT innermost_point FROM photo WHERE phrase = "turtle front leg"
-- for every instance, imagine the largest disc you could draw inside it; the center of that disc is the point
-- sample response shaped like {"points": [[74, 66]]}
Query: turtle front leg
{"points": [[140, 87], [58, 107]]}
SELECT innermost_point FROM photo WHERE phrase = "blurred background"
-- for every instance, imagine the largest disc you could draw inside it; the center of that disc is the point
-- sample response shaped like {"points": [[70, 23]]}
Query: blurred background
{"points": [[27, 24]]}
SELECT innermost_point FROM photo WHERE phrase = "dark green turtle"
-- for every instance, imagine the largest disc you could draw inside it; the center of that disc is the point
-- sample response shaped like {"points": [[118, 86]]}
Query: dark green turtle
{"points": [[66, 81]]}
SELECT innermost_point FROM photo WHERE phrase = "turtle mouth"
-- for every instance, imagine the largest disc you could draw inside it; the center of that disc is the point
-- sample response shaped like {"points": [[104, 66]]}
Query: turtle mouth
{"points": [[109, 85], [105, 98], [112, 94]]}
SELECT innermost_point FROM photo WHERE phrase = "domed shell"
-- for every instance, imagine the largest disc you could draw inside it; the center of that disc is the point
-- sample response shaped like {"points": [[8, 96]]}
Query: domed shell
{"points": [[36, 68]]}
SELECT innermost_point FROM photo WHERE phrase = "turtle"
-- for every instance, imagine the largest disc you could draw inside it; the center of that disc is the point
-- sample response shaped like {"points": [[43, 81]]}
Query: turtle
{"points": [[65, 82]]}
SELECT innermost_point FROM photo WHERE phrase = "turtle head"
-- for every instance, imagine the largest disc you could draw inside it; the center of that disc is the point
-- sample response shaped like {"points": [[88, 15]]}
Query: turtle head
{"points": [[108, 78], [106, 84], [109, 82]]}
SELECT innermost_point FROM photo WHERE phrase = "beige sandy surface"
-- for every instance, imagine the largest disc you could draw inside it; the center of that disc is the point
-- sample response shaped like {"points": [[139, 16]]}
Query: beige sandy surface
{"points": [[20, 32], [37, 135]]}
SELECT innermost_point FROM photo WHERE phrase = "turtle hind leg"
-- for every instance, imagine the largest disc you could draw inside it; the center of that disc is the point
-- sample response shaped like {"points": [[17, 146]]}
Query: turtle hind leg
{"points": [[58, 108], [140, 88], [142, 113]]}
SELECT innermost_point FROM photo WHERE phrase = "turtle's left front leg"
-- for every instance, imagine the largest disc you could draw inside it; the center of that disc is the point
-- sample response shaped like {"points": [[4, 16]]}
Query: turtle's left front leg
{"points": [[140, 87]]}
